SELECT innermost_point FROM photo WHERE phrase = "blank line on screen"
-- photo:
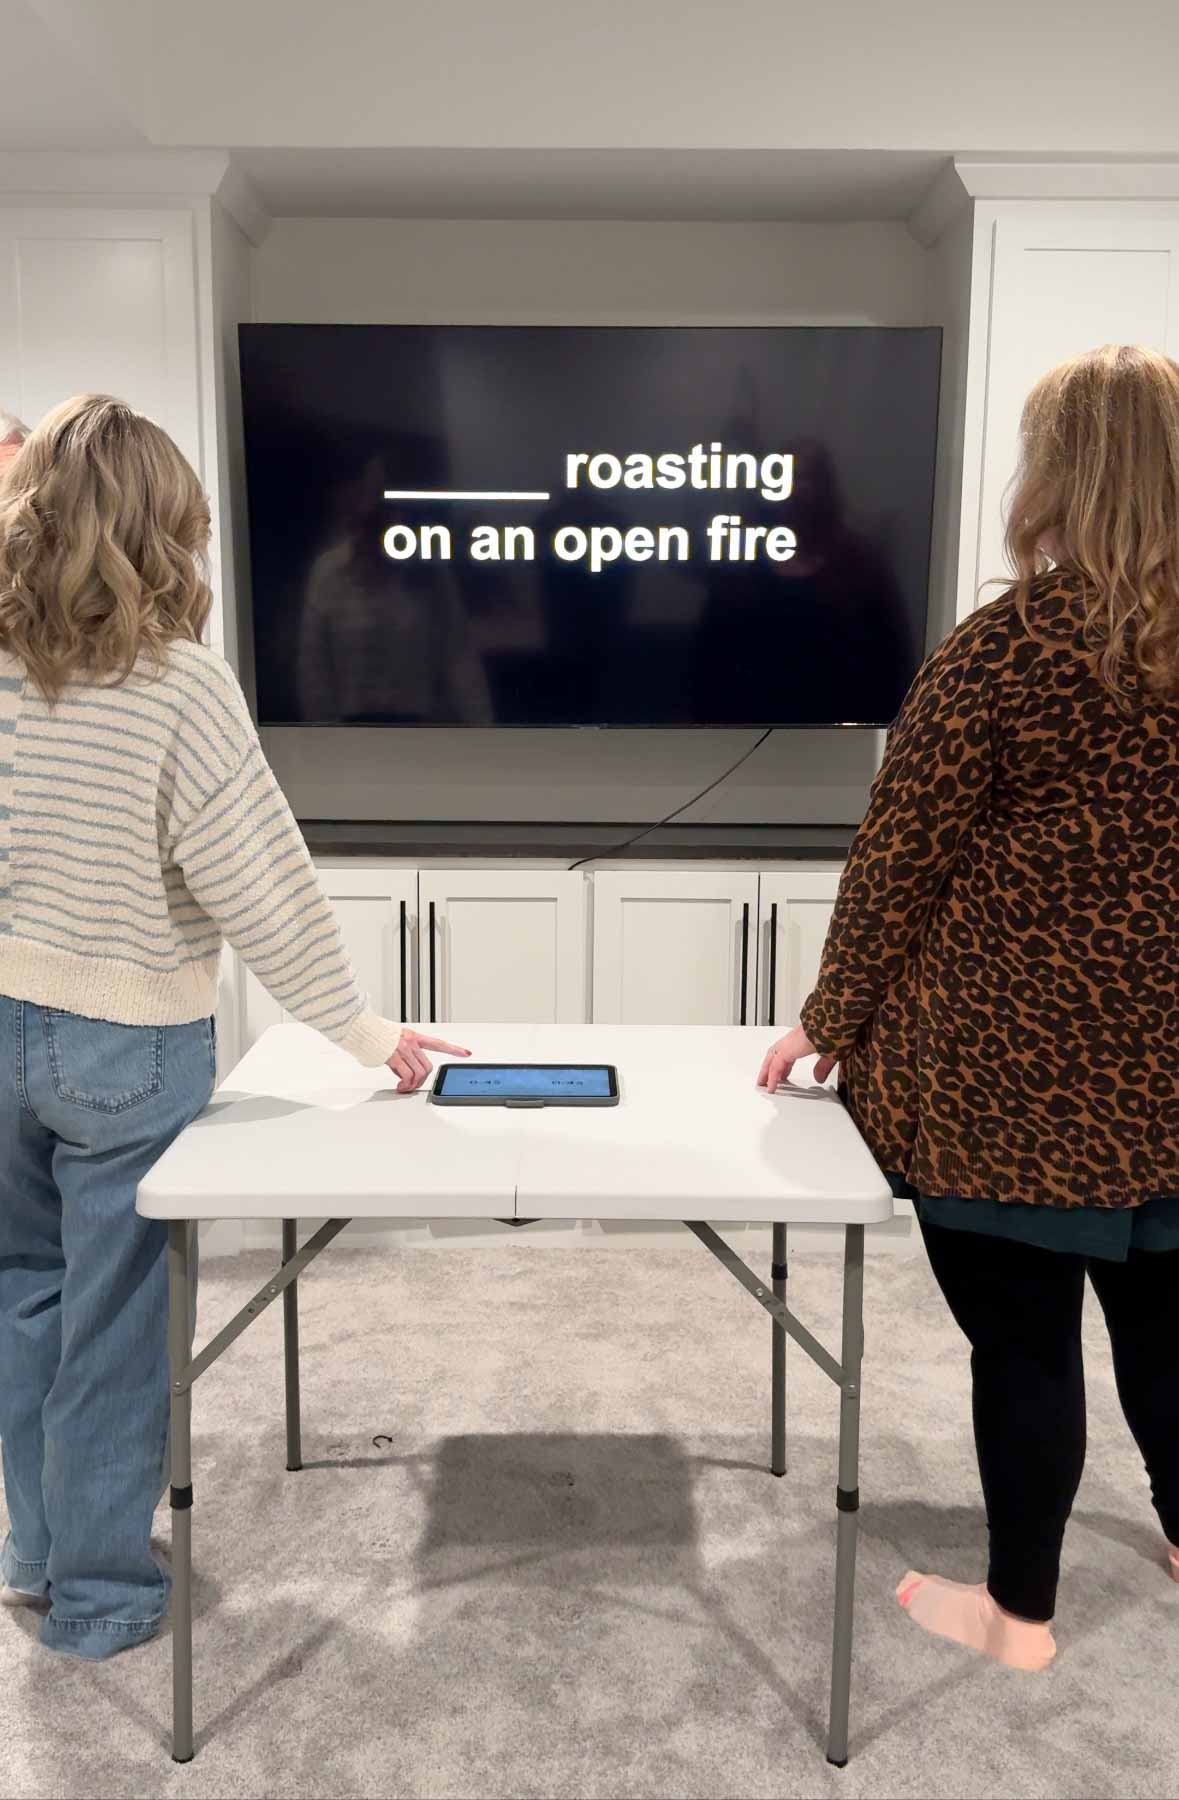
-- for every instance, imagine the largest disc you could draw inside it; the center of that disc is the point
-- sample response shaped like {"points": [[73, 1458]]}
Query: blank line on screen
{"points": [[461, 494]]}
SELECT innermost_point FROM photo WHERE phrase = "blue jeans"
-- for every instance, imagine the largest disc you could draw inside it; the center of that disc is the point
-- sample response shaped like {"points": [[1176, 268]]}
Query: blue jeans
{"points": [[86, 1108]]}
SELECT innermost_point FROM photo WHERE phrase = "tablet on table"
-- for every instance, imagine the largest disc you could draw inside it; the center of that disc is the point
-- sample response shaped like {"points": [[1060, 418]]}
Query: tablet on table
{"points": [[525, 1084]]}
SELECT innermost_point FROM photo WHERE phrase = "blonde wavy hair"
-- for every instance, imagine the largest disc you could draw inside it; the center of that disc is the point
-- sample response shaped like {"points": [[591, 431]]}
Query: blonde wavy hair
{"points": [[104, 529], [1097, 491]]}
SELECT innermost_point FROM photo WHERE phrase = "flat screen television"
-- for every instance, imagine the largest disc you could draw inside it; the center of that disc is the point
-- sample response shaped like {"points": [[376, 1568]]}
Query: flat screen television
{"points": [[588, 526]]}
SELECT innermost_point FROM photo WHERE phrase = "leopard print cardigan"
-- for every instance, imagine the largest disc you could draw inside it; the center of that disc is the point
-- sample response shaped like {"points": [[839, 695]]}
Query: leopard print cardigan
{"points": [[999, 980]]}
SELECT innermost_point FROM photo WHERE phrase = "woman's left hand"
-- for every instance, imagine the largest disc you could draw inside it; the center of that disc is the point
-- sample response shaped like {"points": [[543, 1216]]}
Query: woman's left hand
{"points": [[782, 1056]]}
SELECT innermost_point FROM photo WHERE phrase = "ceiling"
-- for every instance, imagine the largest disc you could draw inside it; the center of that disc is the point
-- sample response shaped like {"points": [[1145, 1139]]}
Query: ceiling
{"points": [[54, 96], [633, 109], [77, 75]]}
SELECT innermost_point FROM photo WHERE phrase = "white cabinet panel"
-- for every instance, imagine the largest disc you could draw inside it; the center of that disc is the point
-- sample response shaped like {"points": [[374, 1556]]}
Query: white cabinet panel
{"points": [[100, 302], [503, 946], [1063, 279], [376, 909], [795, 913], [675, 949]]}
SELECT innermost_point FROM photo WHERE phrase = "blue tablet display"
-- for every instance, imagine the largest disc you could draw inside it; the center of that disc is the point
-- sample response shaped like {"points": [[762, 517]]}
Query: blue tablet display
{"points": [[521, 1082]]}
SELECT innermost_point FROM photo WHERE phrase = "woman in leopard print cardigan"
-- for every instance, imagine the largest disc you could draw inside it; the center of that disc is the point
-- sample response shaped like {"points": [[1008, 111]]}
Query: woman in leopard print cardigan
{"points": [[1000, 983]]}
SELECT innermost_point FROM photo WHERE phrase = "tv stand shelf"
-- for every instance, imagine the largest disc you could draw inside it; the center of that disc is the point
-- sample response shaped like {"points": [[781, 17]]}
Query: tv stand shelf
{"points": [[711, 843]]}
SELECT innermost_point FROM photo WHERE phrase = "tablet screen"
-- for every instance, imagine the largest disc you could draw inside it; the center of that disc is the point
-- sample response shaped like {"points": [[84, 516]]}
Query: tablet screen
{"points": [[536, 1081]]}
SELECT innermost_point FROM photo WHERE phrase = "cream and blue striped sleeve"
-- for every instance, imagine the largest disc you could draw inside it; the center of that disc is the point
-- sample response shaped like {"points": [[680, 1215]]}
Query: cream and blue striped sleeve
{"points": [[246, 865]]}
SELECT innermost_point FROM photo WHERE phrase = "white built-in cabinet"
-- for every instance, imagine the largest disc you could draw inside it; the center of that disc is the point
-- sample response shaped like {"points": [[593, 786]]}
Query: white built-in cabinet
{"points": [[1051, 280], [502, 946], [794, 916], [710, 947], [675, 948], [481, 946], [377, 910], [121, 297], [707, 946], [100, 300]]}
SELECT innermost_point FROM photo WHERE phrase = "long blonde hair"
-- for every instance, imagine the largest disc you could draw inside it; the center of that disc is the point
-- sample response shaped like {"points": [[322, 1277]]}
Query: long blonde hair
{"points": [[103, 533], [1097, 491]]}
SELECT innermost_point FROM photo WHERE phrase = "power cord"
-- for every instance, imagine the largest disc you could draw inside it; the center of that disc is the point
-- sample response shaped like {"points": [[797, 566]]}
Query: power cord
{"points": [[617, 849]]}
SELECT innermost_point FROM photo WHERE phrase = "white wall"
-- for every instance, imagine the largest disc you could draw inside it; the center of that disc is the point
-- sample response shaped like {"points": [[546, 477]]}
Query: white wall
{"points": [[227, 298], [915, 74], [232, 271], [589, 272], [952, 276], [546, 272]]}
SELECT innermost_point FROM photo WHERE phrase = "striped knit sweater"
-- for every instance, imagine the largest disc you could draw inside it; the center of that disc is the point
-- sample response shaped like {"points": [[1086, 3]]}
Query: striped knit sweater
{"points": [[140, 825]]}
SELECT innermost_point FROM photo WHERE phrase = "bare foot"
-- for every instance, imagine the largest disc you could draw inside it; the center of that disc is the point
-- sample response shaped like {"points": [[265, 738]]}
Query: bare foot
{"points": [[968, 1615]]}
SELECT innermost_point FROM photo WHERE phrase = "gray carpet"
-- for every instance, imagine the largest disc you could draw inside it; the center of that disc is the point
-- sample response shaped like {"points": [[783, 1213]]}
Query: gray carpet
{"points": [[564, 1570]]}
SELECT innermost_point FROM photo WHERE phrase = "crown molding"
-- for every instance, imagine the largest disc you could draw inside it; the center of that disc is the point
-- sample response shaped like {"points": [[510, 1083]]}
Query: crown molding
{"points": [[965, 179], [112, 172], [146, 174], [1068, 180], [239, 197]]}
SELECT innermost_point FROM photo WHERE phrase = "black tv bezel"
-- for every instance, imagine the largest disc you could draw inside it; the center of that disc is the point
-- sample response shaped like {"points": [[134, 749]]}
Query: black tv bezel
{"points": [[249, 328]]}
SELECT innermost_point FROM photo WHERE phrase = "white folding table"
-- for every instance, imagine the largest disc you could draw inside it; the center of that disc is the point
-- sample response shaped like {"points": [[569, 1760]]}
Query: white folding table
{"points": [[693, 1139]]}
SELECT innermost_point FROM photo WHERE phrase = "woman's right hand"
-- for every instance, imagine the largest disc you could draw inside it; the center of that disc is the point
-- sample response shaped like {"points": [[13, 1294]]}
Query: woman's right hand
{"points": [[781, 1057], [410, 1062]]}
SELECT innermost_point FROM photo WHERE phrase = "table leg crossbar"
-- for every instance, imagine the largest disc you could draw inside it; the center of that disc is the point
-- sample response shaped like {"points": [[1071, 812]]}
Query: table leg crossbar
{"points": [[186, 1368], [774, 1306], [293, 1265]]}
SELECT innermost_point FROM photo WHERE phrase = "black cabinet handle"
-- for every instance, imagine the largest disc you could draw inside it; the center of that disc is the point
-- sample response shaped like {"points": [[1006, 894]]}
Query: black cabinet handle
{"points": [[433, 970], [771, 1020], [404, 970], [744, 962]]}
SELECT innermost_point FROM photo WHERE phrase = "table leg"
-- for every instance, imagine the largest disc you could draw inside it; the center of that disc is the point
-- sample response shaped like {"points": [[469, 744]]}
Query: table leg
{"points": [[847, 1495], [179, 1356], [290, 1328], [778, 1363]]}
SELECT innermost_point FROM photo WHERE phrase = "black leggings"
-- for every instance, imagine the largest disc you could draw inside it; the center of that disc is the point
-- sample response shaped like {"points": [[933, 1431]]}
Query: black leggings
{"points": [[1020, 1308]]}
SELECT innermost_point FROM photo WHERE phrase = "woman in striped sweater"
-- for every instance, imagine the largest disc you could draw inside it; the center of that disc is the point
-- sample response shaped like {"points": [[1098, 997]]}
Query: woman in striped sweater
{"points": [[140, 827]]}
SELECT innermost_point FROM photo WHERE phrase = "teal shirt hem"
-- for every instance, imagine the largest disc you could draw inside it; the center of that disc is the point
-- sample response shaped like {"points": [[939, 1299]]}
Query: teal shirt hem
{"points": [[1106, 1232]]}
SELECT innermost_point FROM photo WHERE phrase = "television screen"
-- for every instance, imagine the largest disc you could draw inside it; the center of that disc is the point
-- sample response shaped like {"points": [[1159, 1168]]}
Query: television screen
{"points": [[556, 525]]}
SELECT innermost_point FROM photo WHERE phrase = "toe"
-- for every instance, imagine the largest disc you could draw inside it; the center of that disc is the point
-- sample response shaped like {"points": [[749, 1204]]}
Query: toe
{"points": [[908, 1587]]}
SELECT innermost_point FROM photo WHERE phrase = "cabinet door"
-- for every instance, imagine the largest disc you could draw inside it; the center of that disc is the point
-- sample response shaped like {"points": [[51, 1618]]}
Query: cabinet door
{"points": [[675, 949], [504, 947], [377, 912], [795, 914], [98, 301], [1064, 279]]}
